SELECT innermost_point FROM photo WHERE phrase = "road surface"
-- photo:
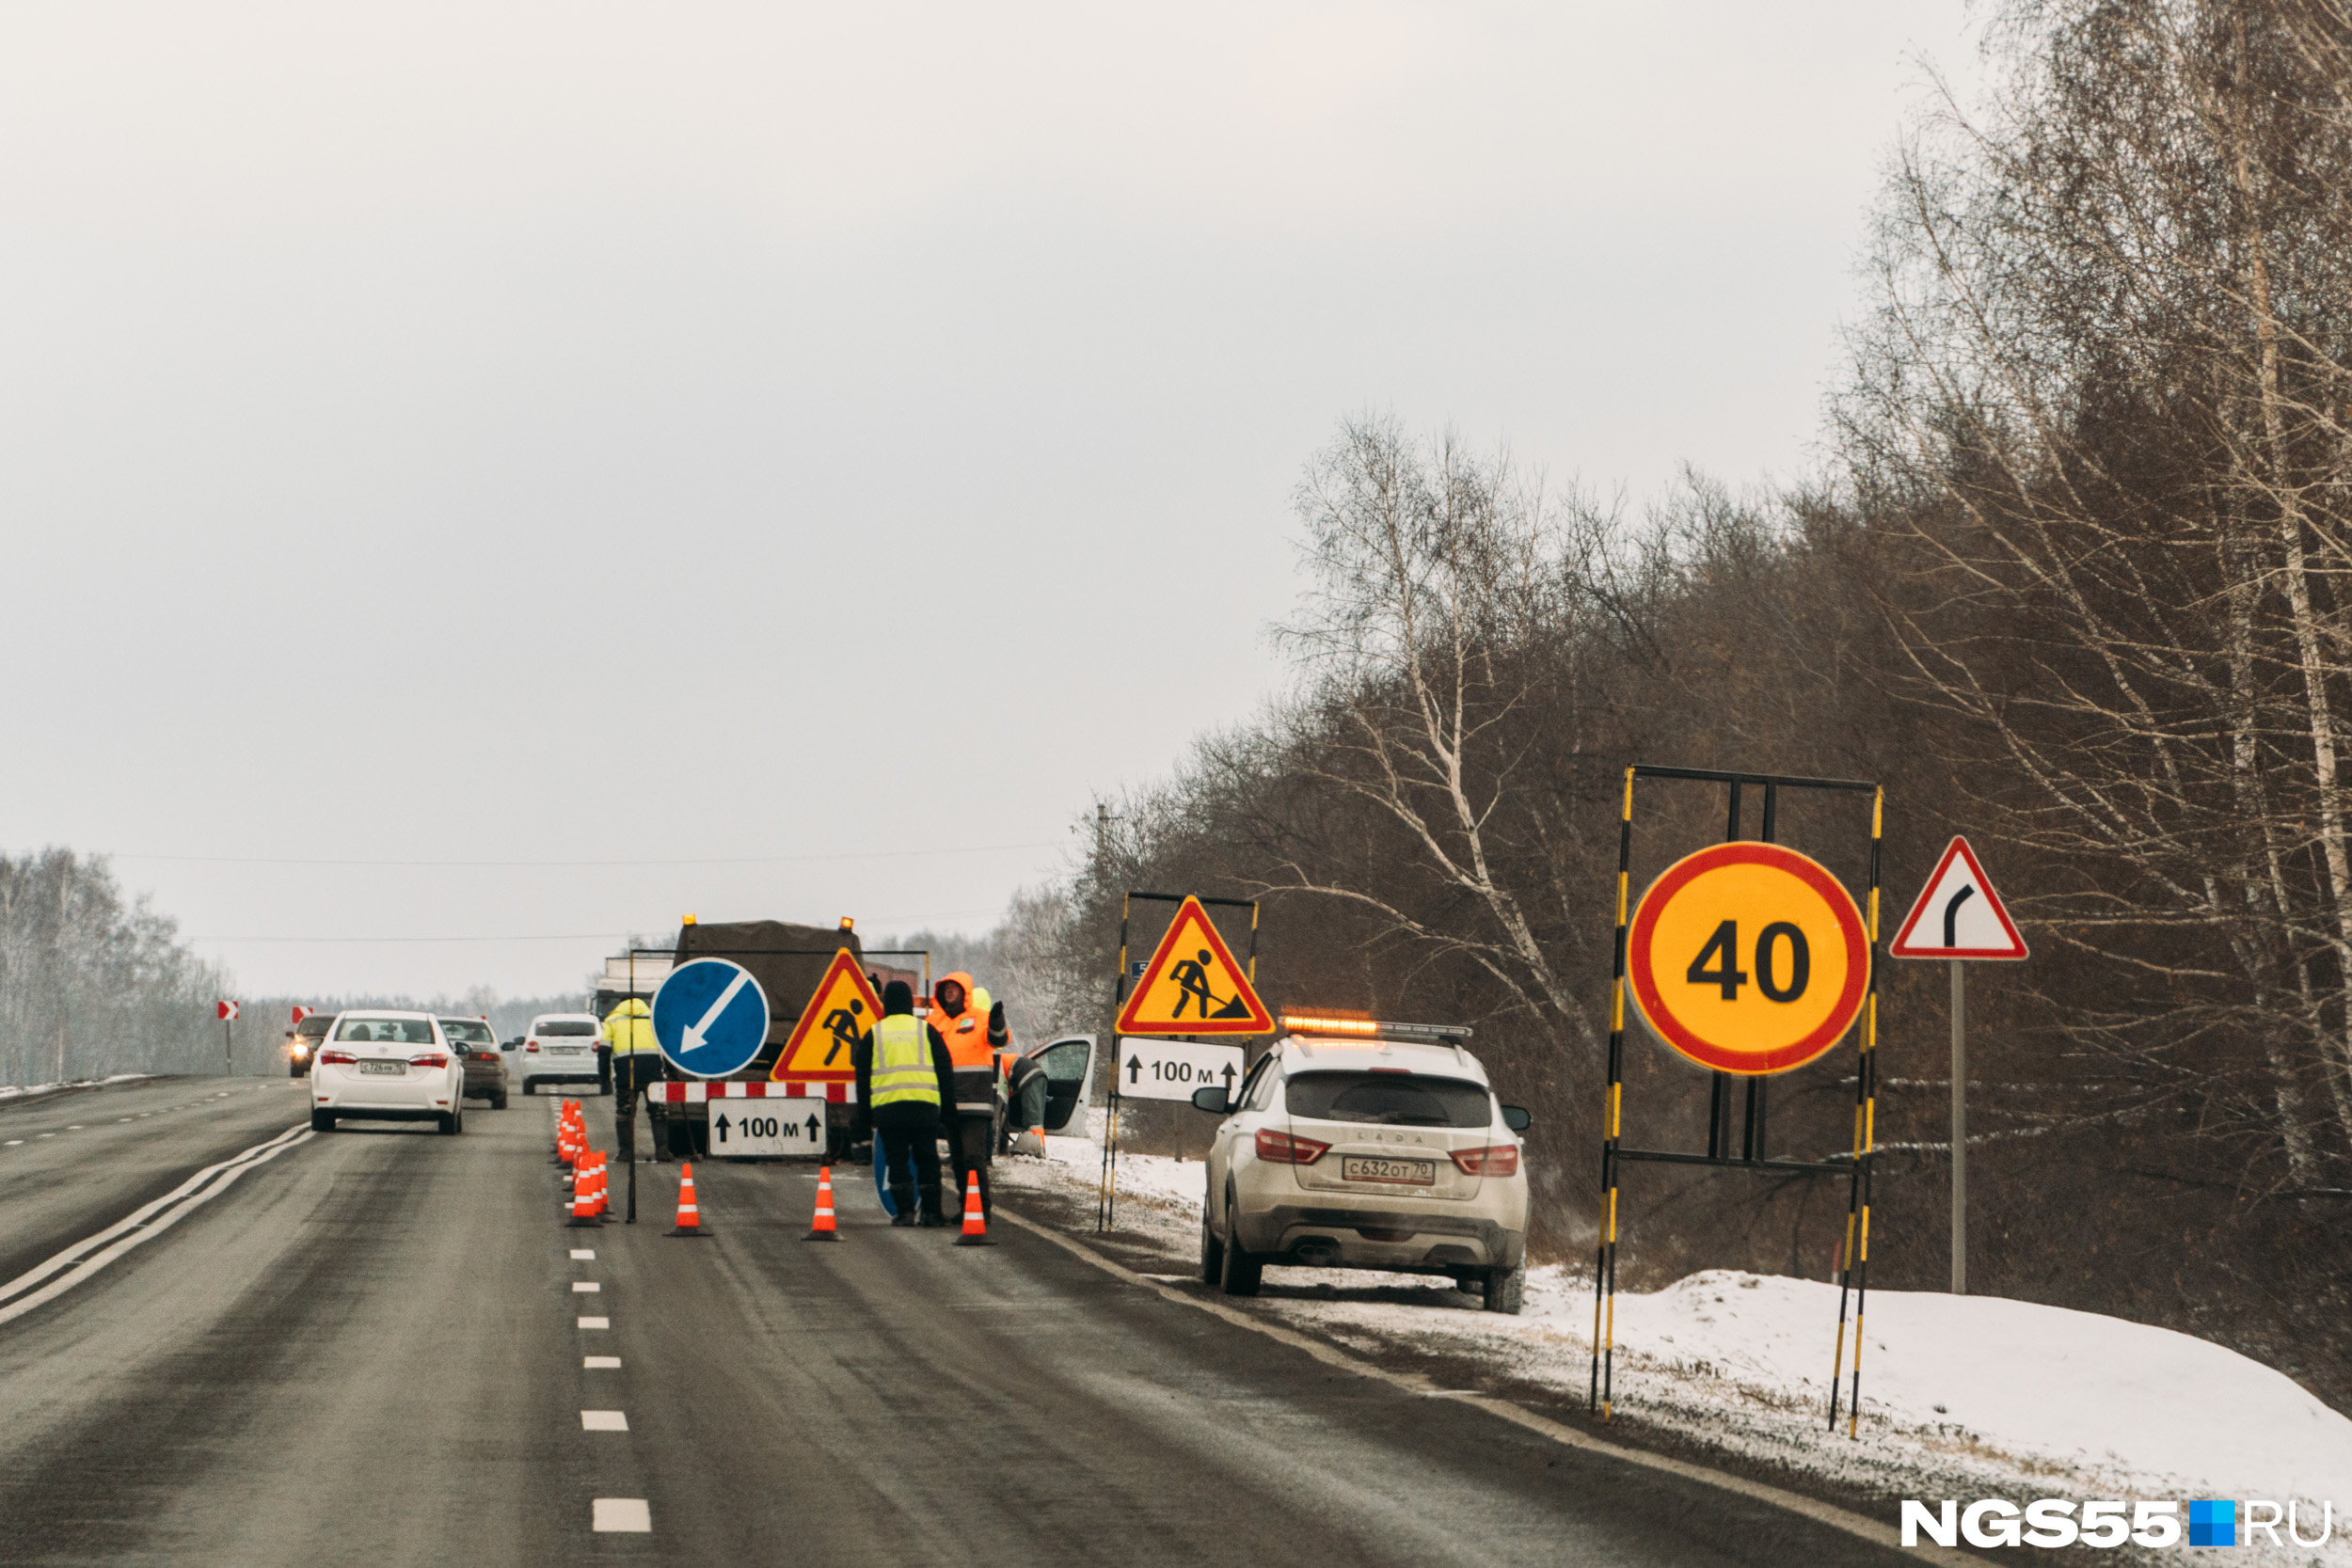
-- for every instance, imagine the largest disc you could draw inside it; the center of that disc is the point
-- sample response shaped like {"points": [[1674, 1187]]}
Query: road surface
{"points": [[369, 1349]]}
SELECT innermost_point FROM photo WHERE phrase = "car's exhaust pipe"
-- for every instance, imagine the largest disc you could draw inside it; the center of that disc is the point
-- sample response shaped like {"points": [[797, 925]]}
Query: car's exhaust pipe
{"points": [[1319, 1251]]}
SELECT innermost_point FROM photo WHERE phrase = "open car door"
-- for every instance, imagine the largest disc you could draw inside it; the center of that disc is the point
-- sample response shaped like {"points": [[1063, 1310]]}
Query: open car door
{"points": [[1069, 1064]]}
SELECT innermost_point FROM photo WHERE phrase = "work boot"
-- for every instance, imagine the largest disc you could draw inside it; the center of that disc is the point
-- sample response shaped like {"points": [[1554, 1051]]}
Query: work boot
{"points": [[902, 1199], [933, 1216]]}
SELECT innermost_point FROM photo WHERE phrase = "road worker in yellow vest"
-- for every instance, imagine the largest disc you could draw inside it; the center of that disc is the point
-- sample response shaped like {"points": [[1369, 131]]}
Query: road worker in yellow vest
{"points": [[903, 1076], [636, 1066]]}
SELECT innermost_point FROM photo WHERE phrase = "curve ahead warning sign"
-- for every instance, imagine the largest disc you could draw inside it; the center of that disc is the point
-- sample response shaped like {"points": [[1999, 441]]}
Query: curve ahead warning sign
{"points": [[1748, 958]]}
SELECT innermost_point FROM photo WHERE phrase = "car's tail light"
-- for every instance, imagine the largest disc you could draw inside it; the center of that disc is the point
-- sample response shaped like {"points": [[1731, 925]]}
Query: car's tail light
{"points": [[1494, 1160], [486, 1055], [1281, 1149], [429, 1058], [338, 1058], [533, 1047]]}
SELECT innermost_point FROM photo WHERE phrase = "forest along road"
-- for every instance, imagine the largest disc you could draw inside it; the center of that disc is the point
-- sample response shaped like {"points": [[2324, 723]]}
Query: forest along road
{"points": [[379, 1348]]}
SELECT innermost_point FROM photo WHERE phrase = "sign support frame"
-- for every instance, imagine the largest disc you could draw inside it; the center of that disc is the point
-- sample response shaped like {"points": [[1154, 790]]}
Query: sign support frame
{"points": [[1853, 1261], [1107, 1196]]}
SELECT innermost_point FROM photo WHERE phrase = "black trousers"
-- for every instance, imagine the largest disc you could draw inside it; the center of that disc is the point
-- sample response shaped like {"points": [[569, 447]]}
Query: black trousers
{"points": [[968, 1145], [631, 1071], [909, 1130]]}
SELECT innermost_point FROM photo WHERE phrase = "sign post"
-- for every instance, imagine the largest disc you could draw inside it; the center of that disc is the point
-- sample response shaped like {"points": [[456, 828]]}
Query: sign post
{"points": [[1192, 984], [227, 1012], [1963, 919]]}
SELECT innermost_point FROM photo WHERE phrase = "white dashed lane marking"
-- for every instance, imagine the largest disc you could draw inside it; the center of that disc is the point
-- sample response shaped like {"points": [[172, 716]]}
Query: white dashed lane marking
{"points": [[603, 1420], [76, 1128], [626, 1515], [590, 1252], [13, 1142], [601, 1363], [596, 1322], [585, 1287]]}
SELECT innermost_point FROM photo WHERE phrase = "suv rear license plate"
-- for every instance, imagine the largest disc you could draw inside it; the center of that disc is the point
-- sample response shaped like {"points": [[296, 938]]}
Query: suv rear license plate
{"points": [[384, 1067], [568, 1051], [1409, 1173]]}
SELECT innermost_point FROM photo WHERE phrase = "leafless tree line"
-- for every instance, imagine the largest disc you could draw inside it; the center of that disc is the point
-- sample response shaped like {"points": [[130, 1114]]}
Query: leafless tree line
{"points": [[2074, 581], [93, 983]]}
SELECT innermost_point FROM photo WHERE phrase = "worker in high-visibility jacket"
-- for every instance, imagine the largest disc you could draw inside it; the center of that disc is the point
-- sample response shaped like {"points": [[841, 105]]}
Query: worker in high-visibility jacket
{"points": [[972, 1117], [903, 1079], [636, 1066]]}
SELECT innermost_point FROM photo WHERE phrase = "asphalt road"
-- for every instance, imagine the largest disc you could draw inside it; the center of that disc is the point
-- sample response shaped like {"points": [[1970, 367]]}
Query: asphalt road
{"points": [[370, 1350]]}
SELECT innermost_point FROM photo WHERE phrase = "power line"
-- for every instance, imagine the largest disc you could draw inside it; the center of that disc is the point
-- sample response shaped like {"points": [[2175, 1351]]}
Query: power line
{"points": [[565, 936], [719, 860]]}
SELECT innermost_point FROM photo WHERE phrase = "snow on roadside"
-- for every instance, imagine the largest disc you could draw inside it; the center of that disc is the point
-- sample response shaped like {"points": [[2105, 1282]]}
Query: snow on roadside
{"points": [[1962, 1397], [26, 1090]]}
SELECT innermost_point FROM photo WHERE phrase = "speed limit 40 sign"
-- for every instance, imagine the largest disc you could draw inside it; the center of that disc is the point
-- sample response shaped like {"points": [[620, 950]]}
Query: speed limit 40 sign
{"points": [[1748, 957]]}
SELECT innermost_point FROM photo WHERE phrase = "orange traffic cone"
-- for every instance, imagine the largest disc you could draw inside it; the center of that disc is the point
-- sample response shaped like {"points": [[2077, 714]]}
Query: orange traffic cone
{"points": [[585, 1198], [604, 1186], [975, 1224], [822, 1228], [689, 1220]]}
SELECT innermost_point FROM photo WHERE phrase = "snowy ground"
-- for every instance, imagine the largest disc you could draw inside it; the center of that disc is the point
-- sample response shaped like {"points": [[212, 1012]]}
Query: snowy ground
{"points": [[1962, 1397], [6, 1092]]}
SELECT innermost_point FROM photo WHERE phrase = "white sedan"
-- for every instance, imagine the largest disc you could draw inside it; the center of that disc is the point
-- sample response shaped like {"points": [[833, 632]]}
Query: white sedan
{"points": [[387, 1066]]}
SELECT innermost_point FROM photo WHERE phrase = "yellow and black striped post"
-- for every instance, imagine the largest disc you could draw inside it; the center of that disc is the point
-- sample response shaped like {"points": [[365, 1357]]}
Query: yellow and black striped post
{"points": [[1613, 1117], [1854, 1272]]}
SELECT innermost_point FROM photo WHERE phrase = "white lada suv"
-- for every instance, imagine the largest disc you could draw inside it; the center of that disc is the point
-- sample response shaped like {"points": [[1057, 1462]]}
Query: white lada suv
{"points": [[1380, 1147]]}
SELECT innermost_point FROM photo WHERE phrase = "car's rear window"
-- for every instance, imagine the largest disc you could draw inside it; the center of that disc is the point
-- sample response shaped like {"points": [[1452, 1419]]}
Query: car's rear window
{"points": [[1388, 1099], [393, 1031], [563, 1026], [467, 1030], [314, 1027]]}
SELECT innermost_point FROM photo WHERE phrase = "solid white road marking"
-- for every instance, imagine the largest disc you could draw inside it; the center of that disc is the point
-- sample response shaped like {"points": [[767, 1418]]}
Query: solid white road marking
{"points": [[1869, 1529], [603, 1420], [629, 1515], [584, 1252], [585, 1287], [600, 1363], [596, 1322], [143, 1224]]}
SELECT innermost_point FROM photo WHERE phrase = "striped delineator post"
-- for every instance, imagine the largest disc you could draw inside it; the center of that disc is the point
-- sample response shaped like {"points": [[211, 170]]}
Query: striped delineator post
{"points": [[822, 1230], [690, 1219]]}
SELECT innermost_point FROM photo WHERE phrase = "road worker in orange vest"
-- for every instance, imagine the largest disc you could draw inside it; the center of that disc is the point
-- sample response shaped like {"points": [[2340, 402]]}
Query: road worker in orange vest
{"points": [[971, 1121]]}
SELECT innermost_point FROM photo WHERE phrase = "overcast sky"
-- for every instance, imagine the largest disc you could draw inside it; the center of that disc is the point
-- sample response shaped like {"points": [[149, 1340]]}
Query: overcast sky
{"points": [[592, 431]]}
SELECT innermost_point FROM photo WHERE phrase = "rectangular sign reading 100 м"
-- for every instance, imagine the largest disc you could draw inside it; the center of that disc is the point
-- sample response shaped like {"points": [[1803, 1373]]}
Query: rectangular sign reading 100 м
{"points": [[1171, 1070], [772, 1128]]}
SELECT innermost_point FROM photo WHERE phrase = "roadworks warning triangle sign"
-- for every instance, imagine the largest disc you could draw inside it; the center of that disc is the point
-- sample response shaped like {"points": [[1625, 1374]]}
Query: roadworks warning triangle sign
{"points": [[1957, 915], [1192, 986], [844, 1008]]}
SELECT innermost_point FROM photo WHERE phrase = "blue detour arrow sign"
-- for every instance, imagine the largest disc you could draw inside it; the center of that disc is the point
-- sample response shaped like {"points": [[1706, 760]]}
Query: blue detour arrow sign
{"points": [[711, 1018]]}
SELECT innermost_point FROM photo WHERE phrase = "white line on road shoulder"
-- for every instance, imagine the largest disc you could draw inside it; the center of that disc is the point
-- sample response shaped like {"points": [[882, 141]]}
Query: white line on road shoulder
{"points": [[584, 1252], [625, 1514], [603, 1420], [600, 1363], [1869, 1529], [596, 1322], [585, 1287], [142, 1225]]}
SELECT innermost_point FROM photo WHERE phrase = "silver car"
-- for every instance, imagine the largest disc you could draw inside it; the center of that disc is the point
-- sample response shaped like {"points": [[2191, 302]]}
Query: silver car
{"points": [[1367, 1151]]}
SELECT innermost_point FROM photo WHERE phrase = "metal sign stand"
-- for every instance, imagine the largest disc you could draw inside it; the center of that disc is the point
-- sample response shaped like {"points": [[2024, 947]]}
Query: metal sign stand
{"points": [[1853, 1259], [1106, 1198]]}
